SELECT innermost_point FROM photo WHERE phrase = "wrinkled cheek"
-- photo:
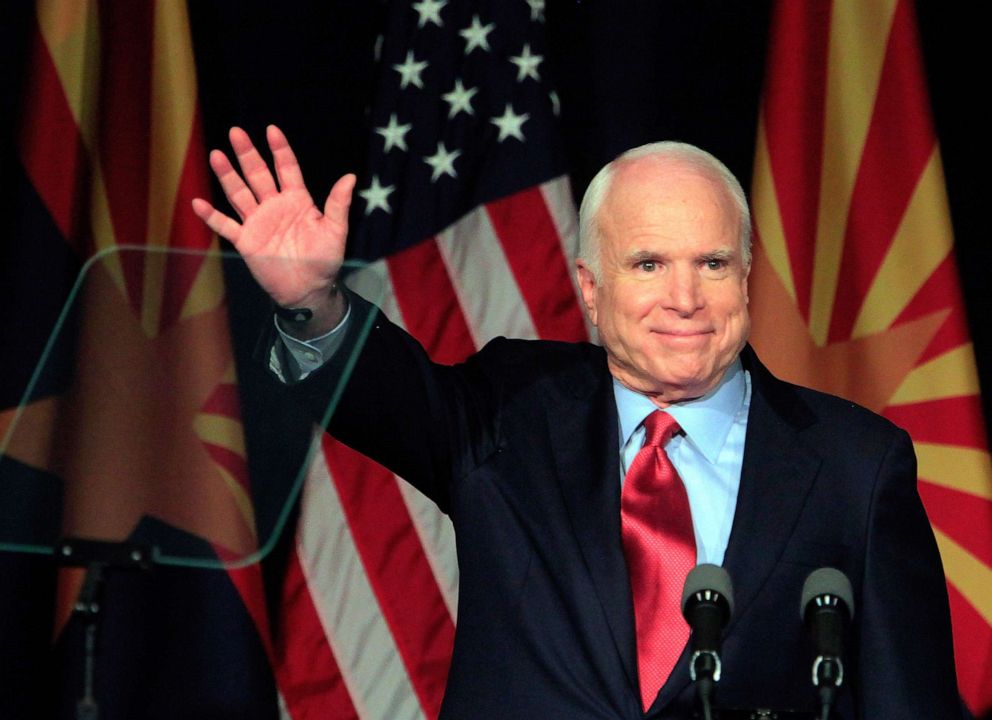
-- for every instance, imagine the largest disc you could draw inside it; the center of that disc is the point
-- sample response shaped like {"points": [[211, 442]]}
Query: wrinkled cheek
{"points": [[742, 328], [734, 339]]}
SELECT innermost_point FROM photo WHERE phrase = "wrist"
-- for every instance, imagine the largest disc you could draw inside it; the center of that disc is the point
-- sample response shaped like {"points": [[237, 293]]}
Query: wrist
{"points": [[315, 315]]}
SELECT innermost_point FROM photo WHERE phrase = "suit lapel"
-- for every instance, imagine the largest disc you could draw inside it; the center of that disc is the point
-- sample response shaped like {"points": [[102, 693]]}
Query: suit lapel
{"points": [[582, 421], [777, 474]]}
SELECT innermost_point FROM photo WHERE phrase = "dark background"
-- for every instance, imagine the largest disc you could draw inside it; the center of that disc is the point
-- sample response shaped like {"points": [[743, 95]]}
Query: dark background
{"points": [[626, 72]]}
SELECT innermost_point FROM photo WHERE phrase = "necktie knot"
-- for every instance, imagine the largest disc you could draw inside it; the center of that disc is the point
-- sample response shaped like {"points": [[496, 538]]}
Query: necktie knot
{"points": [[660, 427]]}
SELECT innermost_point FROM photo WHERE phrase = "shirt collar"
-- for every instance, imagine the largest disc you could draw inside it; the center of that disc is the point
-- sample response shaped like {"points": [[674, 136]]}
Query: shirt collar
{"points": [[706, 420]]}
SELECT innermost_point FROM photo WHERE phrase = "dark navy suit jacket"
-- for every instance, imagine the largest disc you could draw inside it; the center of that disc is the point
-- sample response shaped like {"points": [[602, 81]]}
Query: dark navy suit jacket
{"points": [[519, 445]]}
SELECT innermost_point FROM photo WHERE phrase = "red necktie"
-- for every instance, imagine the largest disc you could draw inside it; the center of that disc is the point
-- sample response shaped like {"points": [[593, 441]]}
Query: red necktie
{"points": [[660, 548]]}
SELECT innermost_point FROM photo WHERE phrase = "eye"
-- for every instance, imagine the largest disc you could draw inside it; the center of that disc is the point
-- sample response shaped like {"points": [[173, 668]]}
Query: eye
{"points": [[648, 265], [715, 263]]}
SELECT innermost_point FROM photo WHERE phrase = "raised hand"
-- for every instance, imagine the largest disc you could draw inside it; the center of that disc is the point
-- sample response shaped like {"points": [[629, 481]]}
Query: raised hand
{"points": [[292, 248]]}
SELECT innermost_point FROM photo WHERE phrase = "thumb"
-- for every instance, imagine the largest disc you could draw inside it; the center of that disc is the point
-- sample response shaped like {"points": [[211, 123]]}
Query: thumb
{"points": [[339, 199]]}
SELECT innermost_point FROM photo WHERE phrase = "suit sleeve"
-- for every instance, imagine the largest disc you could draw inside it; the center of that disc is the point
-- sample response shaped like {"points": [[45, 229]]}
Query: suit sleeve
{"points": [[905, 654], [426, 422]]}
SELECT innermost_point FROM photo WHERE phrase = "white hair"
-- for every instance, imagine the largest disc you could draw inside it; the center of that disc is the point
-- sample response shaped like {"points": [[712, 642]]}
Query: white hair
{"points": [[589, 234]]}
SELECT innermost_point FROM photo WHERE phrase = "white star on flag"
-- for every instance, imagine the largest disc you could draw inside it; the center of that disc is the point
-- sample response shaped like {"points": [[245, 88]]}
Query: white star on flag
{"points": [[555, 103], [510, 124], [460, 99], [410, 71], [526, 64], [376, 196], [429, 11], [477, 35], [536, 9], [394, 134], [442, 161]]}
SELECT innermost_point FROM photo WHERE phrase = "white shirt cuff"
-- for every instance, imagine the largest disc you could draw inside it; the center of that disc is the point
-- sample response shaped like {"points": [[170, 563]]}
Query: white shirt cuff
{"points": [[302, 357]]}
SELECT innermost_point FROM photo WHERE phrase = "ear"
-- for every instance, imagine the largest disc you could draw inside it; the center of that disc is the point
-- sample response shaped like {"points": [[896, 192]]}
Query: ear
{"points": [[747, 274], [588, 288]]}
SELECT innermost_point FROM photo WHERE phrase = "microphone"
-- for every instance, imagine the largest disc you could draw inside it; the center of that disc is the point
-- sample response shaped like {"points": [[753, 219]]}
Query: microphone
{"points": [[827, 608], [707, 603]]}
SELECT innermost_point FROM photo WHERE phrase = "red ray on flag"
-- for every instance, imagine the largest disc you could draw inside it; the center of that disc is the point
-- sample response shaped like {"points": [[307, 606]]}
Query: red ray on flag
{"points": [[856, 248]]}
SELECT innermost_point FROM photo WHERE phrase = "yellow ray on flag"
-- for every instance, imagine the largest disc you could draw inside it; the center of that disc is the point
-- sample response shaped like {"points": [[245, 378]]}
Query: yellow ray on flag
{"points": [[854, 66], [952, 374], [970, 576], [959, 468]]}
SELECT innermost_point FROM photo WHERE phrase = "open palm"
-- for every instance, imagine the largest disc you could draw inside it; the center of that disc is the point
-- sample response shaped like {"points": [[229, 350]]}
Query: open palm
{"points": [[292, 248]]}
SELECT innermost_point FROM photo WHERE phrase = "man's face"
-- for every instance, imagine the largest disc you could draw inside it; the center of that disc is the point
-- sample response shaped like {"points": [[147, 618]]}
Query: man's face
{"points": [[671, 305]]}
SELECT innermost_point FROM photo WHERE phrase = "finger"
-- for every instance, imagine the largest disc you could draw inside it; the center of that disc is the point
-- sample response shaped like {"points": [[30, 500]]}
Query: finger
{"points": [[339, 199], [253, 167], [287, 167], [241, 198], [217, 221]]}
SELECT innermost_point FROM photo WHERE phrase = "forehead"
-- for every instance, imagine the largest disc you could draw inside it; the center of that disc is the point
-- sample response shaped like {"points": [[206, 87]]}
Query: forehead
{"points": [[668, 199]]}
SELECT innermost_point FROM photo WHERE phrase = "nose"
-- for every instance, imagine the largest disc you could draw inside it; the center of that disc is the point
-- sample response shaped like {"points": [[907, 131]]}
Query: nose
{"points": [[683, 292]]}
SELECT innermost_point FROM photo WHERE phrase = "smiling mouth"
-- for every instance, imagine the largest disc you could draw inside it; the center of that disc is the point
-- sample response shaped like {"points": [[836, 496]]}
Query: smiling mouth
{"points": [[682, 333]]}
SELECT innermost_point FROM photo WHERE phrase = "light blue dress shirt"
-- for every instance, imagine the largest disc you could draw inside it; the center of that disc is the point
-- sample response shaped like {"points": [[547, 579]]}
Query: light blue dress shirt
{"points": [[708, 456]]}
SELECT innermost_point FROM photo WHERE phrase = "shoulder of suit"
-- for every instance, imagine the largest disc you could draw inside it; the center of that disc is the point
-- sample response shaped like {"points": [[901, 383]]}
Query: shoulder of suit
{"points": [[841, 410], [820, 408], [527, 361]]}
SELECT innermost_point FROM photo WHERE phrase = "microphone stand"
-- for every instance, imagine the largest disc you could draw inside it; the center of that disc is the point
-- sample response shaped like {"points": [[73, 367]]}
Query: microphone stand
{"points": [[704, 670], [828, 673]]}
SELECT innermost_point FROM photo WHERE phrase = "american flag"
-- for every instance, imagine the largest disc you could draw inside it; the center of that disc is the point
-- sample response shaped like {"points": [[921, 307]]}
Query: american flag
{"points": [[465, 209]]}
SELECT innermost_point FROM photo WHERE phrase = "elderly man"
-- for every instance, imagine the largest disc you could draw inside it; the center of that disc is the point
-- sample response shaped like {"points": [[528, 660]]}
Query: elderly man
{"points": [[584, 482]]}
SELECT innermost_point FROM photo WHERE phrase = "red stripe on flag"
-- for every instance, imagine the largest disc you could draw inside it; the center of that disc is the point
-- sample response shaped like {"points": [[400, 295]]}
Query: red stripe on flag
{"points": [[947, 421], [972, 638], [224, 400], [397, 569], [306, 673], [306, 670], [899, 144], [187, 229], [126, 49], [51, 148], [533, 250], [962, 517], [427, 300], [231, 461], [793, 114]]}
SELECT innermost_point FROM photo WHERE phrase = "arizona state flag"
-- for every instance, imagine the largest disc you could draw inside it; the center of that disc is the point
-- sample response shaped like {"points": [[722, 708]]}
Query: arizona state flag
{"points": [[111, 145], [855, 249]]}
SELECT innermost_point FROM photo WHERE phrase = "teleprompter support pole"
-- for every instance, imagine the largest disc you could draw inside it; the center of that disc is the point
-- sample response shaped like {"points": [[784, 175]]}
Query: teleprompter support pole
{"points": [[98, 557]]}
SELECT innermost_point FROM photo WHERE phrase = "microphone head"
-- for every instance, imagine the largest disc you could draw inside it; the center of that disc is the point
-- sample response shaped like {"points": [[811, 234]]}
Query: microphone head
{"points": [[827, 581], [709, 582]]}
